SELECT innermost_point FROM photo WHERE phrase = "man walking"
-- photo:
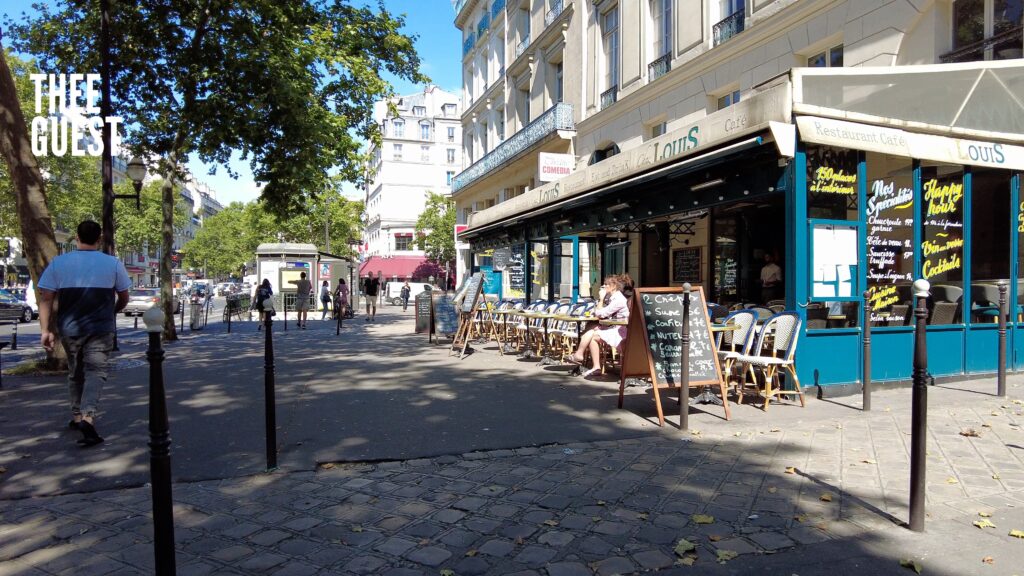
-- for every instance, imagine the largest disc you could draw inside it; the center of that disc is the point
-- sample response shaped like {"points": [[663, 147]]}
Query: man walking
{"points": [[303, 288], [90, 288], [370, 287]]}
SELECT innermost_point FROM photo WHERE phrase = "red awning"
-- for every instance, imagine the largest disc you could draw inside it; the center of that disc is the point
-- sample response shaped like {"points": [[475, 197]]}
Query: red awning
{"points": [[404, 267]]}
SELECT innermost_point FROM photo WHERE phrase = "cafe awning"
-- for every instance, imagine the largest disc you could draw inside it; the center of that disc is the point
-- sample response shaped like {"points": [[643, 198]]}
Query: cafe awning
{"points": [[402, 267]]}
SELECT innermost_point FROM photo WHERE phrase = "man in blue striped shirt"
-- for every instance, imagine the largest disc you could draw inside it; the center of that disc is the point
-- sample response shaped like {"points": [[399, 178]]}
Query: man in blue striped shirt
{"points": [[89, 289]]}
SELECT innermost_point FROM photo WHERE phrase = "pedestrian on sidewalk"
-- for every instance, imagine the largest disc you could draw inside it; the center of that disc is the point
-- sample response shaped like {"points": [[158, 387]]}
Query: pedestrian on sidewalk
{"points": [[370, 288], [406, 290], [341, 298], [325, 297], [303, 288], [263, 293], [90, 288]]}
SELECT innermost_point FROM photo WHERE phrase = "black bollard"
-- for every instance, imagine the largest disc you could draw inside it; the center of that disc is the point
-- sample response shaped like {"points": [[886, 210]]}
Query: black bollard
{"points": [[866, 388], [1001, 374], [14, 335], [284, 305], [268, 392], [136, 322], [159, 449], [684, 385], [182, 317], [919, 411], [229, 320], [337, 319]]}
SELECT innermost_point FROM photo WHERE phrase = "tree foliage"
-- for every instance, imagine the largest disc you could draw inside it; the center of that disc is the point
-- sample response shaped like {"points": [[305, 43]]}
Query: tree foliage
{"points": [[435, 229], [137, 229]]}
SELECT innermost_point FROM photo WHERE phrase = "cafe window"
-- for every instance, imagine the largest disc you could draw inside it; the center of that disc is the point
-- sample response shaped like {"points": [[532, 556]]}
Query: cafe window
{"points": [[942, 240], [990, 242], [890, 238], [615, 258], [832, 187], [539, 276], [403, 242]]}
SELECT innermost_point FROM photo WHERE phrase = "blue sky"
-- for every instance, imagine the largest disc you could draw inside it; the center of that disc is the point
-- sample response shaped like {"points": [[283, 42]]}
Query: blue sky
{"points": [[438, 44]]}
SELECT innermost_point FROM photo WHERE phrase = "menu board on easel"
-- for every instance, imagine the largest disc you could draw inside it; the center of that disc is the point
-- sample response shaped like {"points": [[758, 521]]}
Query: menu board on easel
{"points": [[421, 304], [653, 346], [474, 288], [444, 317]]}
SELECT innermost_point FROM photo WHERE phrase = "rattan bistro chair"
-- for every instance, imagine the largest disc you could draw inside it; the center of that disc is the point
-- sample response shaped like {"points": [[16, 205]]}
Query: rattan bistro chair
{"points": [[774, 357], [736, 343]]}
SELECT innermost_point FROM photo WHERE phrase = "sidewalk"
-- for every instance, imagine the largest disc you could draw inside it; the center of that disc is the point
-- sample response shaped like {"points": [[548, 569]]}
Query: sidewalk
{"points": [[396, 458]]}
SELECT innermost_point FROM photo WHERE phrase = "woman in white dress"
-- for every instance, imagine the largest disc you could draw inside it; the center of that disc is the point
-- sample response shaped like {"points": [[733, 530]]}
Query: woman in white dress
{"points": [[617, 308]]}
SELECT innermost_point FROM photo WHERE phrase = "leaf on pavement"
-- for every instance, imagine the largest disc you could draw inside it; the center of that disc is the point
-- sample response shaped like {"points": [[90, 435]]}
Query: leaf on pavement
{"points": [[772, 489], [970, 433], [995, 476], [471, 553], [601, 502], [985, 514], [684, 546], [775, 430], [869, 461], [3, 469], [790, 470], [327, 465], [825, 497], [551, 522], [714, 537], [911, 564], [984, 523], [988, 560], [687, 560], [642, 516], [702, 519], [952, 480], [726, 555], [1017, 533], [800, 518], [357, 528], [447, 572]]}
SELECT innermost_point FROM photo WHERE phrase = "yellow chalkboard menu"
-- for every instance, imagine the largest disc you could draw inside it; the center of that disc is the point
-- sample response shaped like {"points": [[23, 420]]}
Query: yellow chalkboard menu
{"points": [[653, 347]]}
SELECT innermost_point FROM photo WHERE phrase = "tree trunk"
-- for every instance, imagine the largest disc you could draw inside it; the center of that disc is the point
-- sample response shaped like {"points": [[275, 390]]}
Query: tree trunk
{"points": [[38, 240], [167, 246]]}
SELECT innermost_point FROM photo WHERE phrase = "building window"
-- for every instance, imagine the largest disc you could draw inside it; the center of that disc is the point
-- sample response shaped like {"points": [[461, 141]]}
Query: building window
{"points": [[451, 134], [659, 129], [729, 99], [483, 138], [451, 156], [500, 128], [449, 176], [610, 47], [661, 29], [523, 106], [831, 58], [397, 154], [425, 131], [419, 111], [558, 82], [399, 128], [448, 110], [425, 153], [991, 27], [403, 243], [604, 153]]}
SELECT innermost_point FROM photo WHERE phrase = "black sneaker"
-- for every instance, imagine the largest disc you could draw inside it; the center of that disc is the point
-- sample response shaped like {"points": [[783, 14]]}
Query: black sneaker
{"points": [[89, 435]]}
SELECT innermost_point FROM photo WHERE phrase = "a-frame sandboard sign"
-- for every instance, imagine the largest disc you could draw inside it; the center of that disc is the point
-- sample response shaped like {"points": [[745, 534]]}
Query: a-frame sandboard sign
{"points": [[474, 288], [653, 346]]}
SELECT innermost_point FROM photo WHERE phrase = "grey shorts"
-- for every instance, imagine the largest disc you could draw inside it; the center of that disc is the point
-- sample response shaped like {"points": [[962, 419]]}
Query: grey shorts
{"points": [[302, 304]]}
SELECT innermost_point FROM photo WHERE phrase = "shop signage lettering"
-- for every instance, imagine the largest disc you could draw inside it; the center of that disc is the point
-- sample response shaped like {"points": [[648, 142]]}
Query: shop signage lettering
{"points": [[828, 180], [890, 219], [885, 196], [680, 145], [555, 166], [988, 154], [1020, 218], [942, 199]]}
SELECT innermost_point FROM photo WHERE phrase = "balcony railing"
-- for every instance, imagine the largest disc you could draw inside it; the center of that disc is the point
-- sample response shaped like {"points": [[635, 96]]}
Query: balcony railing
{"points": [[496, 8], [468, 44], [659, 67], [608, 97], [1003, 46], [522, 46], [558, 117], [556, 10], [730, 26]]}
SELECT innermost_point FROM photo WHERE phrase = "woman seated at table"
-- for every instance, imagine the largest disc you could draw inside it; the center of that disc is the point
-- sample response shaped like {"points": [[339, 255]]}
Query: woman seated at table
{"points": [[616, 308]]}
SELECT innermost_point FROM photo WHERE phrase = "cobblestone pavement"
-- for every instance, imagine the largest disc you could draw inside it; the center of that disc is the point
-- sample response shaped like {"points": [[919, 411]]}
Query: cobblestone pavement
{"points": [[822, 495]]}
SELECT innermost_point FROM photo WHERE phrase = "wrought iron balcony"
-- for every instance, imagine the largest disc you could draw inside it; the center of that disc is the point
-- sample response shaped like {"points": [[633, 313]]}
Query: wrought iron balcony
{"points": [[730, 26], [496, 8], [467, 46], [556, 10], [659, 67], [522, 46], [558, 117], [1003, 46], [608, 97]]}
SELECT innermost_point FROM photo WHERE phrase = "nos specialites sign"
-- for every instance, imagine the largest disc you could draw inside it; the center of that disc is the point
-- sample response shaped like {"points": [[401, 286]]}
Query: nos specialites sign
{"points": [[555, 166]]}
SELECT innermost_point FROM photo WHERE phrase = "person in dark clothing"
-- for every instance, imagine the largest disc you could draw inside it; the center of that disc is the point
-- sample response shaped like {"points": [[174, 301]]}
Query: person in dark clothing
{"points": [[263, 293], [371, 286], [406, 291]]}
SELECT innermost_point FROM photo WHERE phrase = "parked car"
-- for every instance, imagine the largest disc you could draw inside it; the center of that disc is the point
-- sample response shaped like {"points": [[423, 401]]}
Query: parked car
{"points": [[14, 310], [394, 294], [142, 299]]}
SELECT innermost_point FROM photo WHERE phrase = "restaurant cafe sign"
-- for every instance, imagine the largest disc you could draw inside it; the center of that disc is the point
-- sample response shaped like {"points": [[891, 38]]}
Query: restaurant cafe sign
{"points": [[744, 117], [898, 142]]}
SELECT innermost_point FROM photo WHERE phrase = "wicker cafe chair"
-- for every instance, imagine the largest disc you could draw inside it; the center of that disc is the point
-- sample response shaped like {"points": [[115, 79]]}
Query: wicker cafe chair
{"points": [[985, 302], [553, 341], [536, 327], [783, 329], [945, 313], [522, 322], [899, 315], [762, 312], [717, 312], [566, 333], [736, 343]]}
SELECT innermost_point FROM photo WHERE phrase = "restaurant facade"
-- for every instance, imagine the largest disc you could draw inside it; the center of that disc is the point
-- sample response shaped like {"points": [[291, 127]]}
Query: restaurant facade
{"points": [[857, 181]]}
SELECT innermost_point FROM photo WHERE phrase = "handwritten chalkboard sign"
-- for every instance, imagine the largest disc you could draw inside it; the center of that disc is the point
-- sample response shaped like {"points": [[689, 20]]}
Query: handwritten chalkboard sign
{"points": [[444, 318], [653, 346], [686, 265], [516, 274], [422, 306], [501, 258], [473, 287]]}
